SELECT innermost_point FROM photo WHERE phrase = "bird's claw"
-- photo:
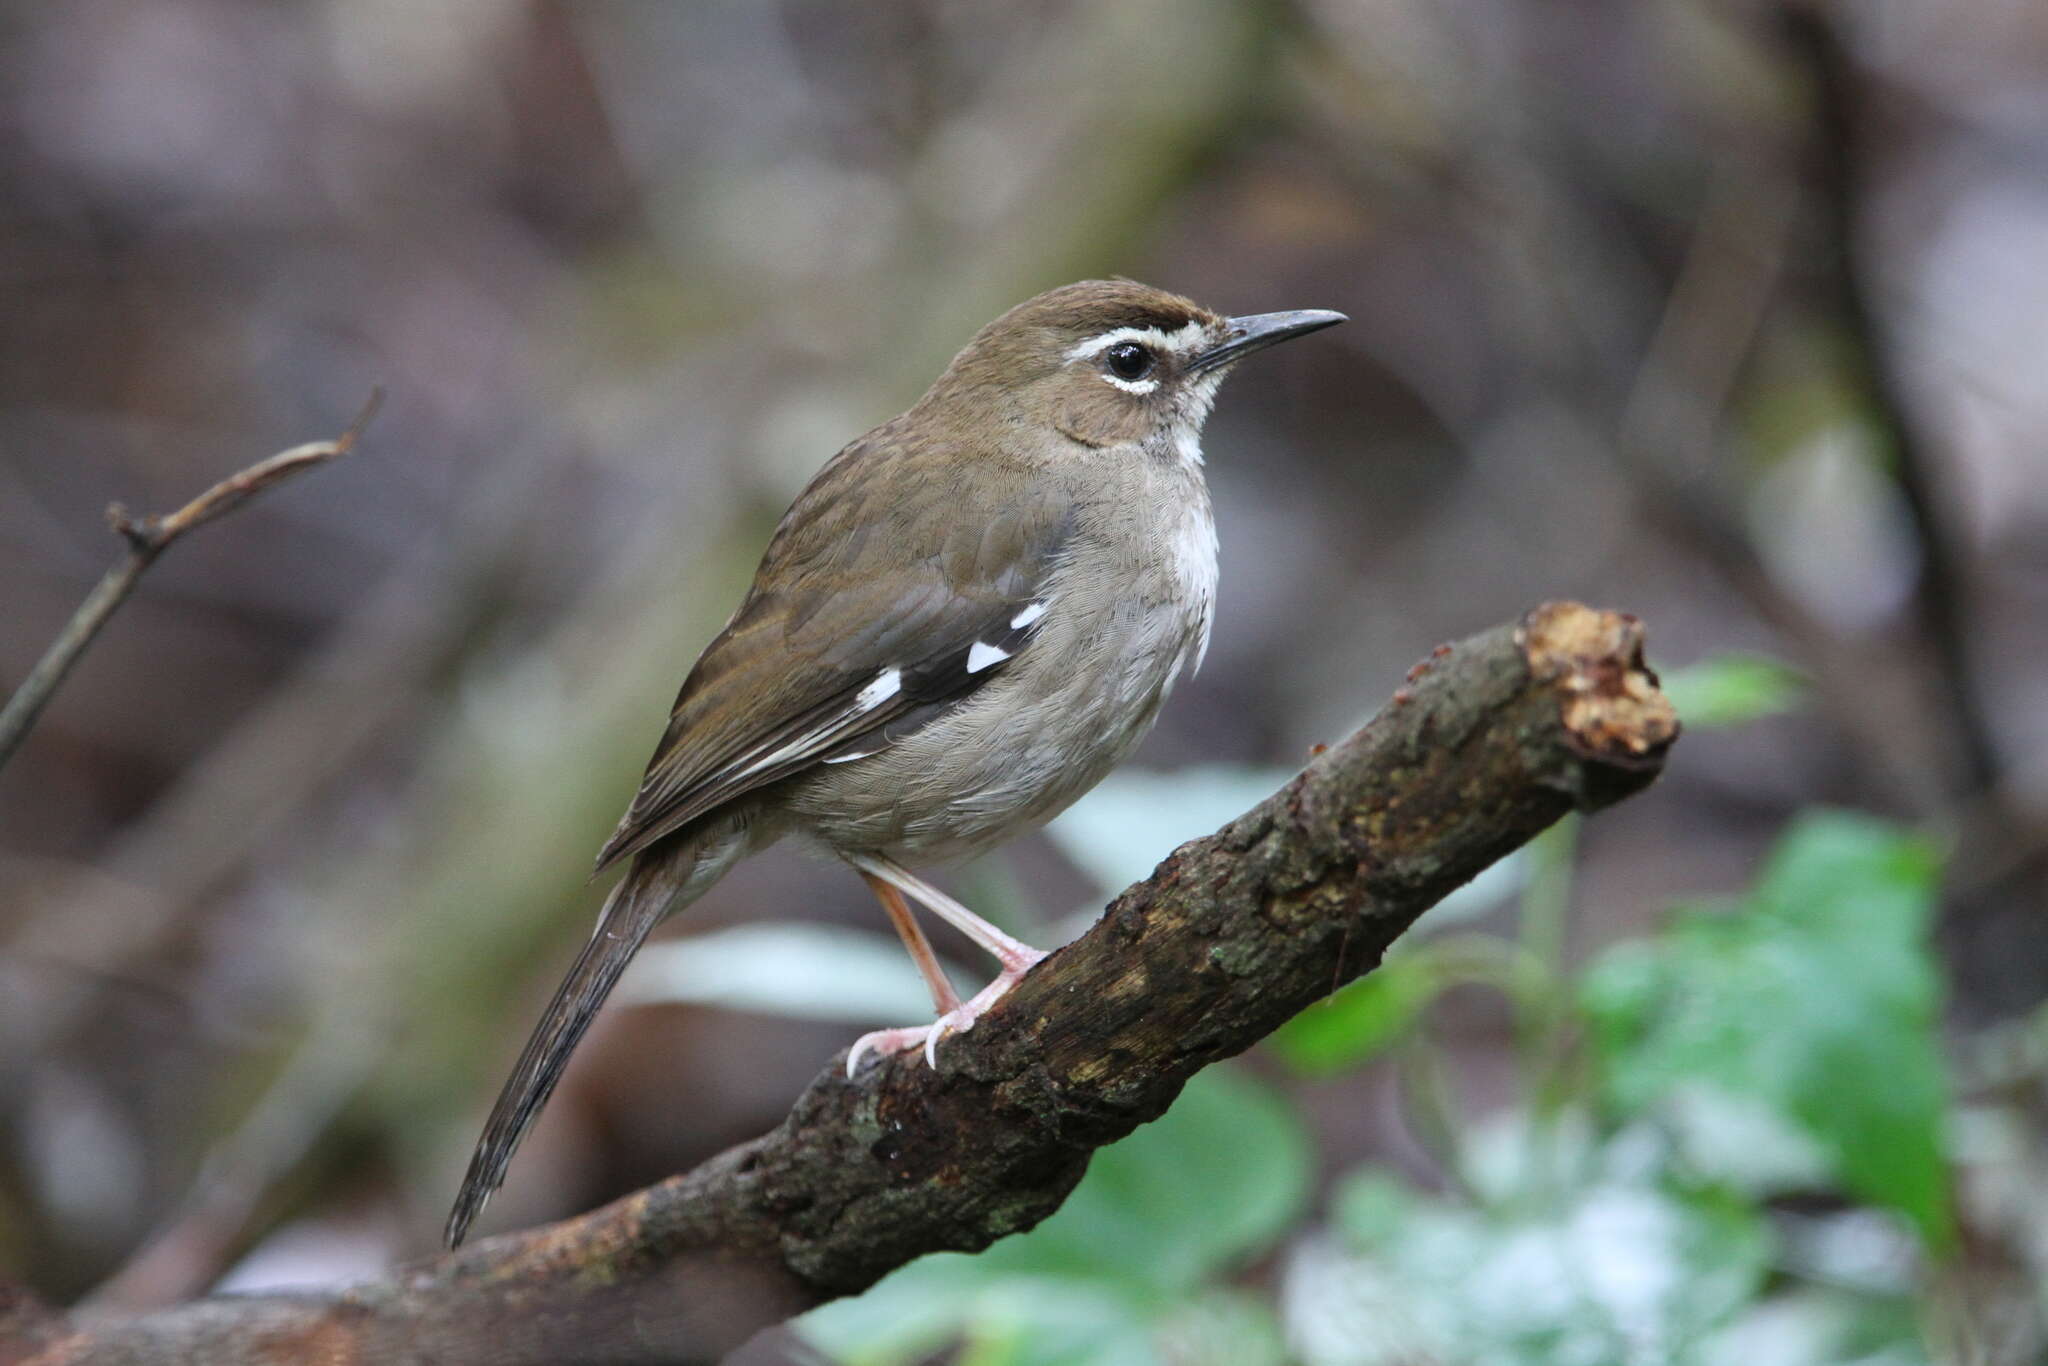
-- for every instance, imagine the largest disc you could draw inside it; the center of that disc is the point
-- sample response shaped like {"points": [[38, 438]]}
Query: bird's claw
{"points": [[923, 1038], [958, 1020]]}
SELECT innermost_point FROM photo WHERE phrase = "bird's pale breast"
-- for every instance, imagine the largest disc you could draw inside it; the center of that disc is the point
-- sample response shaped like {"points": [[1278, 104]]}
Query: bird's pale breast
{"points": [[1124, 616]]}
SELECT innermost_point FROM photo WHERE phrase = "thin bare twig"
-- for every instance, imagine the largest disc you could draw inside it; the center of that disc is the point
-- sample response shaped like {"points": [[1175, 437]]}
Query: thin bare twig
{"points": [[147, 538]]}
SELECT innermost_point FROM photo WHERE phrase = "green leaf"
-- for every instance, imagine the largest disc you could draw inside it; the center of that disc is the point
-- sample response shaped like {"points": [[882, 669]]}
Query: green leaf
{"points": [[1216, 1180], [1375, 1208], [1815, 996], [905, 1317], [1212, 1183], [1221, 1327], [1821, 1326], [1730, 689], [1361, 1020], [1618, 1266], [1027, 1322], [1369, 1015]]}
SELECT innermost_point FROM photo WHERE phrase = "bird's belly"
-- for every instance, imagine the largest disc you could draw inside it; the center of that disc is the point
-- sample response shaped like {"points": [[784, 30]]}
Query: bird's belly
{"points": [[1013, 755]]}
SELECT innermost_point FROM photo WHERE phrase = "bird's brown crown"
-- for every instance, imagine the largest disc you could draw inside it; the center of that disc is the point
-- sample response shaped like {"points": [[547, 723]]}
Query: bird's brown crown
{"points": [[1077, 312], [1023, 365]]}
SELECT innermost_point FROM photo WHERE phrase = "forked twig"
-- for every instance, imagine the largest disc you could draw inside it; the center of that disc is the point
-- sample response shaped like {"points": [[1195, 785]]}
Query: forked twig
{"points": [[149, 537]]}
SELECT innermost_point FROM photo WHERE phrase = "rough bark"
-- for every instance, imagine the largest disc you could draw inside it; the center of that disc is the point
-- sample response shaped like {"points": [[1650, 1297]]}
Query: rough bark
{"points": [[1489, 742]]}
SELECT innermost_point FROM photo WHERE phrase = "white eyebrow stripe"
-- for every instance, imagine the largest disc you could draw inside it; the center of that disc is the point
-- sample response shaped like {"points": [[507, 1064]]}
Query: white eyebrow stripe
{"points": [[1177, 340], [984, 655]]}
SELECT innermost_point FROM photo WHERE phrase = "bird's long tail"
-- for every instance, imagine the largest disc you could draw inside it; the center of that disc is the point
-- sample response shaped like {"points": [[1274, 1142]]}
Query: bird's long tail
{"points": [[647, 892]]}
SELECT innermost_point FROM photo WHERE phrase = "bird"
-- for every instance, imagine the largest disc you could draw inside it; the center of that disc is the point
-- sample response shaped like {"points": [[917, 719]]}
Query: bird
{"points": [[965, 620]]}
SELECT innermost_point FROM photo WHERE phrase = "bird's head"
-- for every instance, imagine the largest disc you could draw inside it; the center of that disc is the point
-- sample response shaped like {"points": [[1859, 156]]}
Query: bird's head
{"points": [[1110, 363]]}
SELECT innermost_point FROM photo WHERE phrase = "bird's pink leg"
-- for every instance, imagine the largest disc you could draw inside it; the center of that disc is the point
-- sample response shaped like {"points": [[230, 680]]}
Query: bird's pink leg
{"points": [[1016, 957], [944, 999]]}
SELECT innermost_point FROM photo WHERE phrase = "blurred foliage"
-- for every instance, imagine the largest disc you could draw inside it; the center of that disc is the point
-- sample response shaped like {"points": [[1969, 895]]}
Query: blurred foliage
{"points": [[1814, 997], [1150, 1232], [631, 272], [1120, 829], [1747, 1166], [794, 968], [1727, 690]]}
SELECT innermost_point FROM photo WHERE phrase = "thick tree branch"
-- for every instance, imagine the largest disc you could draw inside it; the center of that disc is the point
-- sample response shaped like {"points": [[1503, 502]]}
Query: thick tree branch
{"points": [[1490, 742], [149, 537]]}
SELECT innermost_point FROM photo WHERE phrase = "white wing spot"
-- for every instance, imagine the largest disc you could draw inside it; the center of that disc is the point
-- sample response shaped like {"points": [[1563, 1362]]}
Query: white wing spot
{"points": [[1027, 616], [849, 758], [887, 684], [983, 655]]}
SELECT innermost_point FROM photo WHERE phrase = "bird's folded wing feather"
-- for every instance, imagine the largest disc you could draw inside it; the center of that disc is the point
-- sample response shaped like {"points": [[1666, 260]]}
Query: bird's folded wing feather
{"points": [[862, 624]]}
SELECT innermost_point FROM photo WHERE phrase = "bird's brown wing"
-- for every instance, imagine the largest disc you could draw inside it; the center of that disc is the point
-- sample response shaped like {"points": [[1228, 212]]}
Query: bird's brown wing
{"points": [[863, 621], [862, 624]]}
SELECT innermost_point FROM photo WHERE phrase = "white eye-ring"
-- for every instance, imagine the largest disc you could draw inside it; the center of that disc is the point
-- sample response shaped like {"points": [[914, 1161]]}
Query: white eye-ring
{"points": [[1128, 355]]}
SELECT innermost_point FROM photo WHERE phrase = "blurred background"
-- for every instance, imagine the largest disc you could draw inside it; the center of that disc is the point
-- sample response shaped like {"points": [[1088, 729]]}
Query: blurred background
{"points": [[1729, 314]]}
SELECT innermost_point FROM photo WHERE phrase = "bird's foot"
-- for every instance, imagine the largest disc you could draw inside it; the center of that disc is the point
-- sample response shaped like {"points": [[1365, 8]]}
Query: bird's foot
{"points": [[885, 1043], [960, 1019]]}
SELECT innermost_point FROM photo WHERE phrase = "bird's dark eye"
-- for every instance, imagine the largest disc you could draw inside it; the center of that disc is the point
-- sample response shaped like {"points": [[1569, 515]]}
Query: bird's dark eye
{"points": [[1128, 360]]}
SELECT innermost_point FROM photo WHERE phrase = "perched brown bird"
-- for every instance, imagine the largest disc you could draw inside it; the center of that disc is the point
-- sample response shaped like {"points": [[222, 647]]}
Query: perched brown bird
{"points": [[968, 618]]}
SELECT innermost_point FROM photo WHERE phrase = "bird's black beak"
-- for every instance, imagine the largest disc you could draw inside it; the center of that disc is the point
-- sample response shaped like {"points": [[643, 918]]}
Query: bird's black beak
{"points": [[1255, 331]]}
